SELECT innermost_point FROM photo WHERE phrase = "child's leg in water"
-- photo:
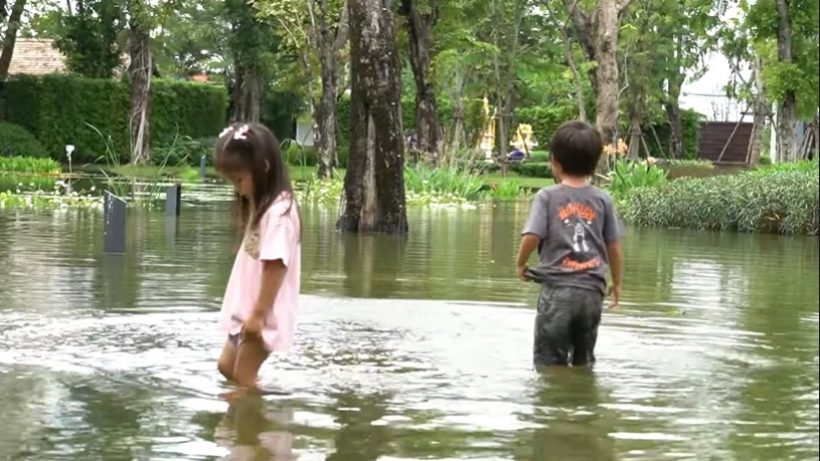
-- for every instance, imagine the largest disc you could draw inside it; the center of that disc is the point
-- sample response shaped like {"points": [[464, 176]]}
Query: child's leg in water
{"points": [[227, 360], [250, 354]]}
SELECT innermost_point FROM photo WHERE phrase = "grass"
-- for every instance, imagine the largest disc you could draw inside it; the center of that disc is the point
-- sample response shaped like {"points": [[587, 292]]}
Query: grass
{"points": [[526, 182]]}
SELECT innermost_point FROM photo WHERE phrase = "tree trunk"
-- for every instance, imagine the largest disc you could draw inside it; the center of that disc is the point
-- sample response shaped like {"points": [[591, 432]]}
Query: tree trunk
{"points": [[672, 106], [329, 43], [10, 38], [760, 113], [585, 33], [247, 93], [635, 134], [458, 139], [816, 126], [326, 118], [139, 72], [606, 48], [787, 115], [374, 183], [429, 134]]}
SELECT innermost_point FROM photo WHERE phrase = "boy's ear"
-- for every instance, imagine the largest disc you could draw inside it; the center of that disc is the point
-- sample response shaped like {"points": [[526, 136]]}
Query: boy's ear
{"points": [[267, 166]]}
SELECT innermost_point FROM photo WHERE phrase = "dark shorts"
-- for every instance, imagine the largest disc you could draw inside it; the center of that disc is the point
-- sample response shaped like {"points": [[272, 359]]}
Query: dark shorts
{"points": [[566, 326]]}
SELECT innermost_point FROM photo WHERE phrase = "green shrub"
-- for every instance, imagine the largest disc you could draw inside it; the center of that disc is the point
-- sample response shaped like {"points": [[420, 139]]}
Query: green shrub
{"points": [[539, 156], [765, 161], [67, 109], [506, 190], [184, 151], [16, 141], [784, 202], [628, 175], [30, 165], [533, 169], [297, 155]]}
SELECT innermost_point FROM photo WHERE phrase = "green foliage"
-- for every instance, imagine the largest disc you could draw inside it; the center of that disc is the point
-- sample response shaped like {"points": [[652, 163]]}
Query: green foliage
{"points": [[545, 120], [755, 35], [63, 109], [17, 141], [90, 38], [784, 202], [279, 110], [29, 165], [533, 169], [659, 147], [627, 176]]}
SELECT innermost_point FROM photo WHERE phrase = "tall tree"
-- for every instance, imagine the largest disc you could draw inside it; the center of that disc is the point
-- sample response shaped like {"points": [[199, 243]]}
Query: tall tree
{"points": [[597, 31], [784, 35], [10, 37], [330, 34], [139, 75], [686, 33], [374, 183], [420, 19], [89, 37], [787, 142], [316, 31], [247, 43]]}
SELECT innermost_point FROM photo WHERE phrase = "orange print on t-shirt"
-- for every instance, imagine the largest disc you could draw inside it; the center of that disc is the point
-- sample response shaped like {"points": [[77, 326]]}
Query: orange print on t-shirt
{"points": [[578, 266], [576, 209]]}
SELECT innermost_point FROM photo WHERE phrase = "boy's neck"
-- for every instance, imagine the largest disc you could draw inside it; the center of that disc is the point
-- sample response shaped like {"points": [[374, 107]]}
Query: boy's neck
{"points": [[574, 181]]}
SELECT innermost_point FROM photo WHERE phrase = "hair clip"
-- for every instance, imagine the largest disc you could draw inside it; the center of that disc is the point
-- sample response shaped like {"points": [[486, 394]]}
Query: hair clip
{"points": [[225, 131], [242, 133]]}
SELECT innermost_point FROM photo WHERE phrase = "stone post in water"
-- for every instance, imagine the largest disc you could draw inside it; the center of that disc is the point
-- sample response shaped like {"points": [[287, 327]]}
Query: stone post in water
{"points": [[114, 212]]}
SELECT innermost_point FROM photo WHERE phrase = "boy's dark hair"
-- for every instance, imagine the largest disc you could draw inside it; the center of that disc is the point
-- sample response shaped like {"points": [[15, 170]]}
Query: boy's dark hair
{"points": [[254, 148], [577, 147]]}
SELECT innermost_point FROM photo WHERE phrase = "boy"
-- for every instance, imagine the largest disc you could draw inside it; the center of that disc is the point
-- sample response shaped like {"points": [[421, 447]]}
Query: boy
{"points": [[574, 228]]}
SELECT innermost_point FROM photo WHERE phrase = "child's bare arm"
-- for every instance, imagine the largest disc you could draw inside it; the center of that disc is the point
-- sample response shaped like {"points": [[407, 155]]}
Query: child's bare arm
{"points": [[273, 274], [616, 261], [529, 243]]}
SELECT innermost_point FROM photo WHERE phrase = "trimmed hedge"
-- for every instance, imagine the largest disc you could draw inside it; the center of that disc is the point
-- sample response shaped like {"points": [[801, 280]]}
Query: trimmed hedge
{"points": [[16, 141], [62, 109], [533, 169], [785, 202]]}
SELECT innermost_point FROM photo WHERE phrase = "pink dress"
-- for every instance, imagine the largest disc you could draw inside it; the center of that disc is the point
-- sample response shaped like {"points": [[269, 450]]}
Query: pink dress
{"points": [[276, 237]]}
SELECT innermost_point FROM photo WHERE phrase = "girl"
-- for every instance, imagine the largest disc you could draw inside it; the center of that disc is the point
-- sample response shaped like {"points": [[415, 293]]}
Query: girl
{"points": [[258, 312]]}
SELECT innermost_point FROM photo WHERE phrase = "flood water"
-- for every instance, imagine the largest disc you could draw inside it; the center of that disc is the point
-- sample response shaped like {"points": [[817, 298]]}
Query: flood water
{"points": [[406, 349]]}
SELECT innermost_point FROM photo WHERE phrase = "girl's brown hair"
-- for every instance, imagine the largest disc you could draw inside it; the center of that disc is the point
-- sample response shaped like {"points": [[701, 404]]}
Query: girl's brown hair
{"points": [[254, 148]]}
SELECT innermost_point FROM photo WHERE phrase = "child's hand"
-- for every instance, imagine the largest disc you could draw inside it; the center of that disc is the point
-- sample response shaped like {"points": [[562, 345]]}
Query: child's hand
{"points": [[522, 273], [614, 296]]}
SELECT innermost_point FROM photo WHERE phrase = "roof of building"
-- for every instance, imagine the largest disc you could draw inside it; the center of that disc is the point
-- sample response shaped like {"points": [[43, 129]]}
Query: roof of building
{"points": [[36, 56]]}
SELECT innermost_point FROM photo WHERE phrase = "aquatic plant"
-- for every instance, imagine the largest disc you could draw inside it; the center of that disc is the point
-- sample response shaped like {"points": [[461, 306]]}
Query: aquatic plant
{"points": [[30, 165], [771, 201]]}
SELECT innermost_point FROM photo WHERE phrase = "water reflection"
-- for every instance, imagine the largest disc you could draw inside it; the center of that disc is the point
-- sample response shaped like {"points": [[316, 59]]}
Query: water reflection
{"points": [[253, 429], [572, 424]]}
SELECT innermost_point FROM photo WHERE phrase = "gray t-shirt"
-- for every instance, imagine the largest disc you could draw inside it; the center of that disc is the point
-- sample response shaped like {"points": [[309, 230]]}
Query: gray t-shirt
{"points": [[575, 226]]}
